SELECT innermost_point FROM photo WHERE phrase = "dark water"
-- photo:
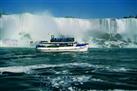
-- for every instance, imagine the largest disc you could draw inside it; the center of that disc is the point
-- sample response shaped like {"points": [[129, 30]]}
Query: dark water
{"points": [[23, 69]]}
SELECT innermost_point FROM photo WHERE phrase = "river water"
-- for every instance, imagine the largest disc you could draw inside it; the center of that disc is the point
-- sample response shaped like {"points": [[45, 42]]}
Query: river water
{"points": [[25, 69]]}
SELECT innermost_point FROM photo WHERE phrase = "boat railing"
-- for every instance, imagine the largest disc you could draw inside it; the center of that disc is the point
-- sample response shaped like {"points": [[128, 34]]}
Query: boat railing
{"points": [[58, 42]]}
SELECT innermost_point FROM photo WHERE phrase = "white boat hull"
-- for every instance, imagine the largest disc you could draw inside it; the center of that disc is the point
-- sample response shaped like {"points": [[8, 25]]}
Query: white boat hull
{"points": [[63, 49]]}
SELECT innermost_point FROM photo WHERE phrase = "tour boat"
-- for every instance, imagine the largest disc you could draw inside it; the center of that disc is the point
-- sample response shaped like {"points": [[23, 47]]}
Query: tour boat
{"points": [[62, 44]]}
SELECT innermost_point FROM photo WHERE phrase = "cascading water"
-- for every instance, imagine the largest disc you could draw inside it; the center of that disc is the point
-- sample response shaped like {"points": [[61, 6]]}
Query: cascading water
{"points": [[17, 30]]}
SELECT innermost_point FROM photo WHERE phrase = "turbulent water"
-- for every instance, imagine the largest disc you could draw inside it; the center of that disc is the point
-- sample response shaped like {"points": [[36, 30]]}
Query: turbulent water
{"points": [[24, 69], [17, 30]]}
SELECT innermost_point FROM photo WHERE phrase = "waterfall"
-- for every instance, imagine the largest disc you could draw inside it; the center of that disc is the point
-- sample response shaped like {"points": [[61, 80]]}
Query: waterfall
{"points": [[19, 29]]}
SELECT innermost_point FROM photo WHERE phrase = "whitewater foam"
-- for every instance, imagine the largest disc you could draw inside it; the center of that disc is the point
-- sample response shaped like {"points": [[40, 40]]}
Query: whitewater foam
{"points": [[28, 69]]}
